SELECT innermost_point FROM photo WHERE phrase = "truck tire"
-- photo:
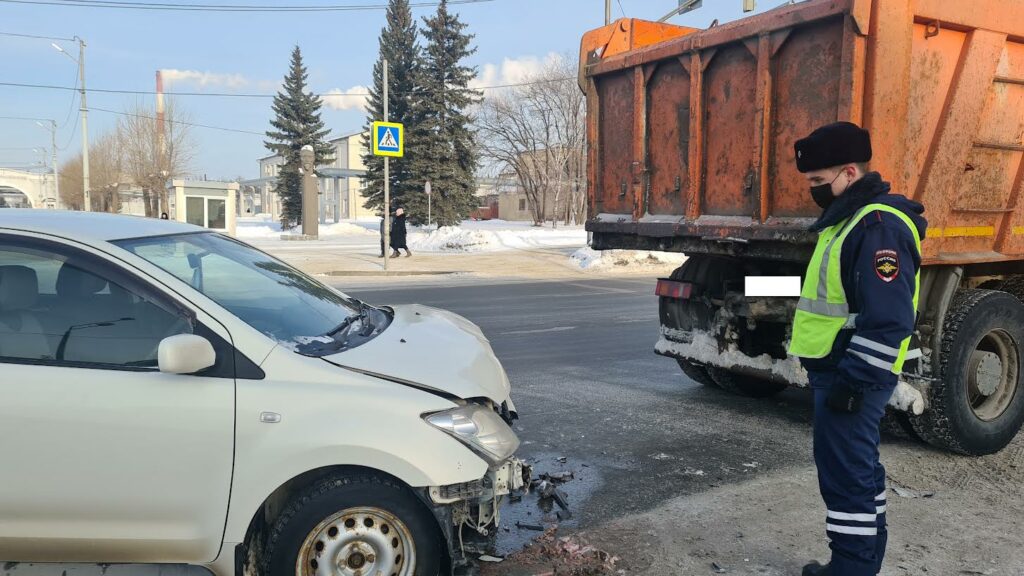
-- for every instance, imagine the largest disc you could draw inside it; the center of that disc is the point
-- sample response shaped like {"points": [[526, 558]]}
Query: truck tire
{"points": [[709, 272], [696, 372], [368, 524], [743, 384], [976, 403], [1013, 285]]}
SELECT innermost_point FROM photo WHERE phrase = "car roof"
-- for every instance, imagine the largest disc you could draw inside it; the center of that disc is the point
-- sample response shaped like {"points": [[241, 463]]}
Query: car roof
{"points": [[89, 225]]}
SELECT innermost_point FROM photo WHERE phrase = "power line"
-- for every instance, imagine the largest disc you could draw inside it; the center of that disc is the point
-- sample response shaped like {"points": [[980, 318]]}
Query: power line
{"points": [[245, 95], [36, 37], [183, 123], [74, 98], [223, 7]]}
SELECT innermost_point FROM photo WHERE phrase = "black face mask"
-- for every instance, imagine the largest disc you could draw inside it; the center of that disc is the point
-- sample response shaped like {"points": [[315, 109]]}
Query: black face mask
{"points": [[822, 194]]}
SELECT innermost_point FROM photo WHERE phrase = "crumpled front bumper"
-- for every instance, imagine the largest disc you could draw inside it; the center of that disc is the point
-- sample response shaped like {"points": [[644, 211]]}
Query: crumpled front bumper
{"points": [[469, 513]]}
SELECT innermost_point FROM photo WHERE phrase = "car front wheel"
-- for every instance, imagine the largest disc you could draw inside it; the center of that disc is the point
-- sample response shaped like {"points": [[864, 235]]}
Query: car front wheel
{"points": [[354, 525]]}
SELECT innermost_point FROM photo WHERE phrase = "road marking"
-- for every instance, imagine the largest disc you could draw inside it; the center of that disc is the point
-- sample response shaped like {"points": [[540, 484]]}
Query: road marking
{"points": [[540, 331]]}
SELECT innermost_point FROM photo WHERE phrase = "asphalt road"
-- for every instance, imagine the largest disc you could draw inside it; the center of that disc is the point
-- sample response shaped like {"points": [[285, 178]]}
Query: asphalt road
{"points": [[589, 388]]}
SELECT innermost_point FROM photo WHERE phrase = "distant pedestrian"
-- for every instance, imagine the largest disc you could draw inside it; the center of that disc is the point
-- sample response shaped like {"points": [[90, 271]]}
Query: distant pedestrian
{"points": [[398, 234], [381, 238], [163, 216]]}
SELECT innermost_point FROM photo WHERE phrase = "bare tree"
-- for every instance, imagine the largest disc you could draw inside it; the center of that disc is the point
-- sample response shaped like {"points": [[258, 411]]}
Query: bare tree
{"points": [[106, 175], [538, 132], [152, 157]]}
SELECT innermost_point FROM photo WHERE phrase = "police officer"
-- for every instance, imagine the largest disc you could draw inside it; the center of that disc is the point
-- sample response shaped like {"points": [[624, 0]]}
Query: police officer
{"points": [[852, 331]]}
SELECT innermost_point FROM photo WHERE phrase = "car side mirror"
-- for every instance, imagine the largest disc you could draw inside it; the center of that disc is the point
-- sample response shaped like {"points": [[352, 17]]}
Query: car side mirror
{"points": [[185, 354]]}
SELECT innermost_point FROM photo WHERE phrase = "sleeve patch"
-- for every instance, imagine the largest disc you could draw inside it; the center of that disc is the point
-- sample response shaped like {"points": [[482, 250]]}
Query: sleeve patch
{"points": [[887, 265]]}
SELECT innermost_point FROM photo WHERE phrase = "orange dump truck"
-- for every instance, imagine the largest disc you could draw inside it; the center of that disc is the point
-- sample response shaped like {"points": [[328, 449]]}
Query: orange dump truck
{"points": [[691, 138]]}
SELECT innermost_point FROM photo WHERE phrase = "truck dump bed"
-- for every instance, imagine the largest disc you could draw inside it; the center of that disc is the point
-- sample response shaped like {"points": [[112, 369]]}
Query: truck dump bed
{"points": [[691, 132]]}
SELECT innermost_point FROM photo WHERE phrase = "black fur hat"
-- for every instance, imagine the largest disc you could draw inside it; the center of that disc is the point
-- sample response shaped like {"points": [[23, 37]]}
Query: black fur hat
{"points": [[833, 145]]}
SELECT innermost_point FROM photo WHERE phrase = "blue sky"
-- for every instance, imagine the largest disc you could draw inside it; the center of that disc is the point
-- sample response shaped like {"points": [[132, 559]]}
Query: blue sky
{"points": [[249, 53]]}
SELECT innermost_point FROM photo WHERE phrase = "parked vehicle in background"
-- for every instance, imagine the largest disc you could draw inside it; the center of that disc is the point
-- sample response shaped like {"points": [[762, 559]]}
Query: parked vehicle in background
{"points": [[171, 395], [691, 151]]}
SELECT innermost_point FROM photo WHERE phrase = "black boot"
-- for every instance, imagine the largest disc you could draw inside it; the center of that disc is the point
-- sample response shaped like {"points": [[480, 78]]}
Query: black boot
{"points": [[396, 254], [407, 253], [816, 569]]}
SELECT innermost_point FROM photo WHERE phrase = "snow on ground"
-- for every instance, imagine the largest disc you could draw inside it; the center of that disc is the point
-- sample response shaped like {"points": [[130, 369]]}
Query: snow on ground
{"points": [[624, 260], [262, 227], [495, 235]]}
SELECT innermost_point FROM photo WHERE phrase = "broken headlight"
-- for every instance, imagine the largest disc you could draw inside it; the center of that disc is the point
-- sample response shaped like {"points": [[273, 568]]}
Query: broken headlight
{"points": [[479, 428]]}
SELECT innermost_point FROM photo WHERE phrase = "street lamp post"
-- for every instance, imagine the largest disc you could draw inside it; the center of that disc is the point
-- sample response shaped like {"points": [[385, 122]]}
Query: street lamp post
{"points": [[84, 109], [53, 159]]}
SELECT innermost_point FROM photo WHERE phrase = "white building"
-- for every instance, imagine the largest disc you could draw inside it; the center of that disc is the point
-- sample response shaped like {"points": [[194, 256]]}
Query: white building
{"points": [[341, 184]]}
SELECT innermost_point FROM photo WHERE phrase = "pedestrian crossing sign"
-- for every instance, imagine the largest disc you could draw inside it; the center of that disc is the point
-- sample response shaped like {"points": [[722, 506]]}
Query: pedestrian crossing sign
{"points": [[388, 139]]}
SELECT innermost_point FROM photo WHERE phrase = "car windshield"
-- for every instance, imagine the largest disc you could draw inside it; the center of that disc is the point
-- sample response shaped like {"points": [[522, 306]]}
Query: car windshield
{"points": [[262, 291]]}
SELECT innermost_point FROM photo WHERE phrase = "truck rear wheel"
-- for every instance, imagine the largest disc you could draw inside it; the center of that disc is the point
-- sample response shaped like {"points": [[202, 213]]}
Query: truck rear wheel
{"points": [[976, 403], [743, 384], [696, 372]]}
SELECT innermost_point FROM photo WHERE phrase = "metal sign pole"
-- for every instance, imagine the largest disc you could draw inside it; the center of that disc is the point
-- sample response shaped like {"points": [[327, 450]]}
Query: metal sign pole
{"points": [[426, 188], [387, 180]]}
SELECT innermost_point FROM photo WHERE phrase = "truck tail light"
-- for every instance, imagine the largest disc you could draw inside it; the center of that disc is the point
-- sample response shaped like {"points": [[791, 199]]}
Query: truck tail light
{"points": [[673, 289]]}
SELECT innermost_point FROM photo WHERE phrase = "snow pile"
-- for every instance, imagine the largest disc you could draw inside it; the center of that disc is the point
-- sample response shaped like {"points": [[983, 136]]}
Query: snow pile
{"points": [[493, 236], [262, 227], [455, 239], [622, 260], [344, 229]]}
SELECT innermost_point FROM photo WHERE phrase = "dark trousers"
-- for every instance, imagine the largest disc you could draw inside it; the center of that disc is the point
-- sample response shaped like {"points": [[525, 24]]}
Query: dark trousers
{"points": [[851, 478]]}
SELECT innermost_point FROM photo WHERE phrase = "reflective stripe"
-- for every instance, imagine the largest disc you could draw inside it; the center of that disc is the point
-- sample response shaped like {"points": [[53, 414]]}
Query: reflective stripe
{"points": [[854, 517], [855, 530], [880, 496], [876, 346], [880, 509], [823, 308], [851, 321], [912, 354], [873, 361]]}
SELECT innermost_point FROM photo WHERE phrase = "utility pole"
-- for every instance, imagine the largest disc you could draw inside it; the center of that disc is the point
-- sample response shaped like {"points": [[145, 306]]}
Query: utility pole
{"points": [[85, 128], [53, 158], [84, 110], [607, 12], [387, 179]]}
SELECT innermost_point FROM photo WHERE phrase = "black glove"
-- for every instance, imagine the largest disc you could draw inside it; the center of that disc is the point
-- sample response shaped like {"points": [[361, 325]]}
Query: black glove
{"points": [[844, 399]]}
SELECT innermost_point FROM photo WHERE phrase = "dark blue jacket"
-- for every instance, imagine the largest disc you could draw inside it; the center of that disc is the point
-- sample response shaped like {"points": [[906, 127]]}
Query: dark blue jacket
{"points": [[879, 263]]}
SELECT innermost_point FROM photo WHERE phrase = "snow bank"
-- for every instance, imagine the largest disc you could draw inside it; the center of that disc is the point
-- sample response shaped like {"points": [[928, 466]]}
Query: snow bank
{"points": [[262, 227], [455, 239], [492, 236], [589, 259]]}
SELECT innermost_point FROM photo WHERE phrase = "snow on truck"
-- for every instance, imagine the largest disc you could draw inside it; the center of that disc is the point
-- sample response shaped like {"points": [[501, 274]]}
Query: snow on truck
{"points": [[691, 138]]}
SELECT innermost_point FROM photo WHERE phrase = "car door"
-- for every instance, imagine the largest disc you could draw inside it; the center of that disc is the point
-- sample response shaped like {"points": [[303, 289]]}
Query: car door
{"points": [[104, 457]]}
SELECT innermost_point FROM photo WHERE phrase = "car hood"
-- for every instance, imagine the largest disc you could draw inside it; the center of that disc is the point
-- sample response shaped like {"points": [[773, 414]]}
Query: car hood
{"points": [[432, 349]]}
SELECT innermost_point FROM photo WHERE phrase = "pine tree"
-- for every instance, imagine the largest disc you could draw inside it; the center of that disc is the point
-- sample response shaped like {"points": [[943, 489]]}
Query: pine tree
{"points": [[297, 123], [398, 44], [447, 151]]}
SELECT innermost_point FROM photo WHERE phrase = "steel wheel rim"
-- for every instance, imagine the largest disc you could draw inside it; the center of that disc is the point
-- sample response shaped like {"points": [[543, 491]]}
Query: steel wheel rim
{"points": [[993, 375], [361, 541]]}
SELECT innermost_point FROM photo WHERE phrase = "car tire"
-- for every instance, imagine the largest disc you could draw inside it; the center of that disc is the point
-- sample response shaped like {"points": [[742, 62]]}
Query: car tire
{"points": [[366, 522], [972, 409]]}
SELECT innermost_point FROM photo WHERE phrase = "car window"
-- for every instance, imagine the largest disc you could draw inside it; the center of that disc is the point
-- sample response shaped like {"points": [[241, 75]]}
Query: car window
{"points": [[58, 306], [262, 291]]}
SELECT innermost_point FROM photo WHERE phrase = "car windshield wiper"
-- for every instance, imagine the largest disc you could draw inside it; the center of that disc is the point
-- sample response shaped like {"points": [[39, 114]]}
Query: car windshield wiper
{"points": [[344, 324]]}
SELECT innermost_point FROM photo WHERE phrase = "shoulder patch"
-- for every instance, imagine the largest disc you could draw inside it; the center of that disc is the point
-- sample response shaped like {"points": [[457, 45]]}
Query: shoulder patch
{"points": [[887, 265]]}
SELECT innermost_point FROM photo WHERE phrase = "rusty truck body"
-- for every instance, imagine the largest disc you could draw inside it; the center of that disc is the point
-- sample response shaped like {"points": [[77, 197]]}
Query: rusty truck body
{"points": [[691, 137]]}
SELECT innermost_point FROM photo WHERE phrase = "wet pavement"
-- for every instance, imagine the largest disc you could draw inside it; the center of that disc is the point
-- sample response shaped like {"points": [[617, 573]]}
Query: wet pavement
{"points": [[588, 386]]}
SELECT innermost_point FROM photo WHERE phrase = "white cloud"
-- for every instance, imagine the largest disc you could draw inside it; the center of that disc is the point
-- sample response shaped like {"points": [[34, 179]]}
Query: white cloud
{"points": [[352, 99], [514, 70], [204, 79]]}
